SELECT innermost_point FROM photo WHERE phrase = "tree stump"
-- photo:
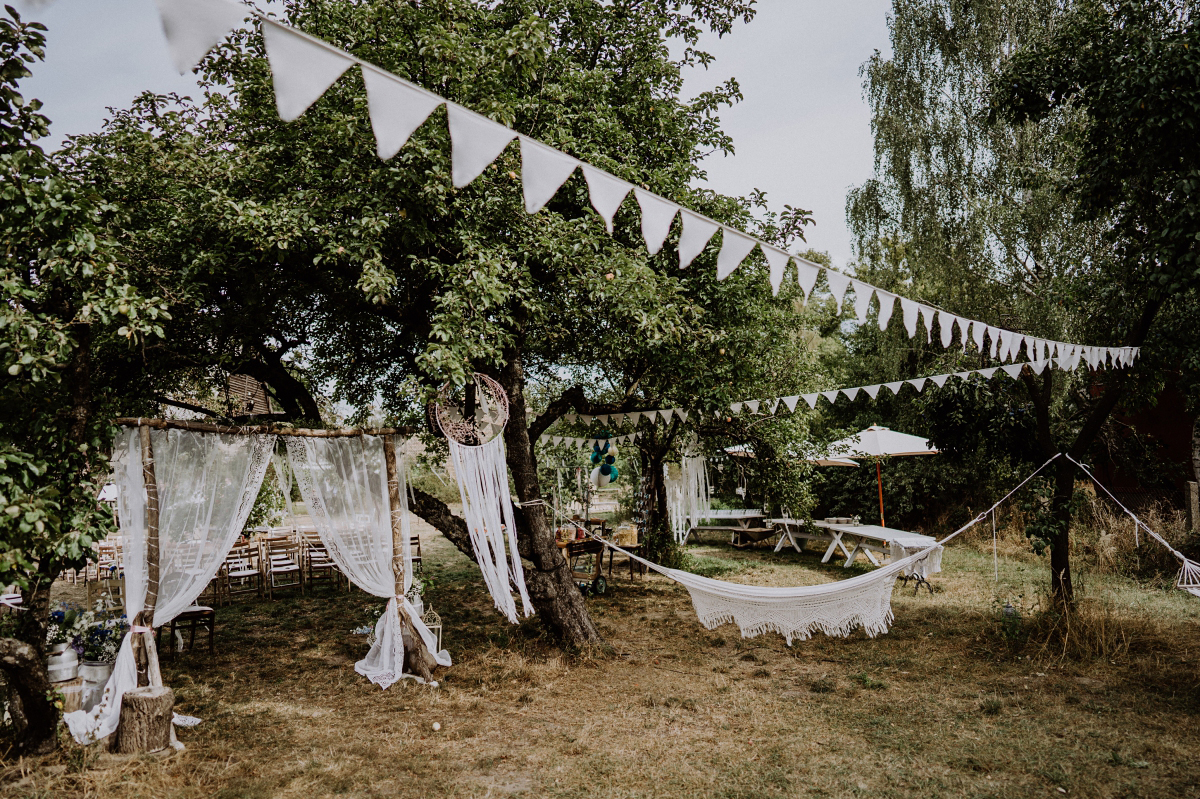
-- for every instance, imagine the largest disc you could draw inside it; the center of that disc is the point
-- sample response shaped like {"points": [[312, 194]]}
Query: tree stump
{"points": [[145, 720]]}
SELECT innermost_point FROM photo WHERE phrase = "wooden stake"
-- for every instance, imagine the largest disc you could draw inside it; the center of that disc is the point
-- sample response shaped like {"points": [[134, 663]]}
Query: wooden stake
{"points": [[394, 503], [143, 645]]}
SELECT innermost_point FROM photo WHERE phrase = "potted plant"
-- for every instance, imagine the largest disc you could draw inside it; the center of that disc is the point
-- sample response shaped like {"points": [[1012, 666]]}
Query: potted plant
{"points": [[99, 645], [62, 660]]}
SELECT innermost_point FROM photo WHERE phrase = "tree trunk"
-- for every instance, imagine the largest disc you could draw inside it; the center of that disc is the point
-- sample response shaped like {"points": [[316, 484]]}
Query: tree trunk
{"points": [[24, 668], [1196, 449], [552, 588], [145, 724], [1061, 588]]}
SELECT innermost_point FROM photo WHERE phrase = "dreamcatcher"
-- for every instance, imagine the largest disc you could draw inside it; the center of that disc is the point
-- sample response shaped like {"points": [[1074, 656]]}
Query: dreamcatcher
{"points": [[473, 424]]}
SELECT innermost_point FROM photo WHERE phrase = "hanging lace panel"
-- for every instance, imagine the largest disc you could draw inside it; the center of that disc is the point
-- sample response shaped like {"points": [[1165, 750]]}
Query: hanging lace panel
{"points": [[482, 474], [207, 484], [344, 484]]}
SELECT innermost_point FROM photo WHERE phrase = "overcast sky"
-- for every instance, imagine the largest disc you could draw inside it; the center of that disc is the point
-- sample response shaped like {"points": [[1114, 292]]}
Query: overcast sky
{"points": [[802, 132]]}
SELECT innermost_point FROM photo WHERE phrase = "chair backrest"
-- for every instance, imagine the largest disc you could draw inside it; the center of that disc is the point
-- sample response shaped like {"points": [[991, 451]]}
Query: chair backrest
{"points": [[284, 552], [110, 592], [241, 558]]}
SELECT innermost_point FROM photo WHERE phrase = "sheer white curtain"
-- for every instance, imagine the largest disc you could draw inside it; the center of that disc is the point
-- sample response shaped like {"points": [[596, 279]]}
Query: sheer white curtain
{"points": [[344, 483], [482, 474], [207, 484]]}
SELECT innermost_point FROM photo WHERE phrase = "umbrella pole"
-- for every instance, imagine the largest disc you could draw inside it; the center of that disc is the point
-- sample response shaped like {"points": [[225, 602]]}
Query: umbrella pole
{"points": [[879, 478]]}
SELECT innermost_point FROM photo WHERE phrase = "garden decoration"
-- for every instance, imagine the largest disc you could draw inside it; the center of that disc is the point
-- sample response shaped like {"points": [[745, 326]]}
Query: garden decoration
{"points": [[303, 67], [605, 460], [473, 425], [183, 500], [878, 443], [353, 487]]}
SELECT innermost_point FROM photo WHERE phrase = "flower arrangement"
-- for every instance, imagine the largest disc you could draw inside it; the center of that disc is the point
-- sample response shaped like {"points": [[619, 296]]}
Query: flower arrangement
{"points": [[102, 640], [95, 635], [67, 623]]}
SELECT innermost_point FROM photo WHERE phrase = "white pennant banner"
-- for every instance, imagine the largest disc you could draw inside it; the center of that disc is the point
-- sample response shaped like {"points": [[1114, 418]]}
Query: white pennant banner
{"points": [[302, 69], [396, 108], [477, 141], [543, 171]]}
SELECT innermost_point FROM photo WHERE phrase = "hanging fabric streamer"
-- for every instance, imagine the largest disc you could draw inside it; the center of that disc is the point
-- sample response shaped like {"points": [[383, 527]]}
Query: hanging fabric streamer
{"points": [[696, 506], [344, 484], [482, 474], [207, 484]]}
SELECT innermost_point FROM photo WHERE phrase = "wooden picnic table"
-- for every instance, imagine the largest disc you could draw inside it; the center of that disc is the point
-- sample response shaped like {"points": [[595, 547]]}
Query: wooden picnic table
{"points": [[743, 529], [869, 540]]}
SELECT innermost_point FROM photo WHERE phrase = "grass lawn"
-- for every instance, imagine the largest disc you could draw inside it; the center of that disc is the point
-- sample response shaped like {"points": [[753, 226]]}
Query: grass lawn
{"points": [[954, 701]]}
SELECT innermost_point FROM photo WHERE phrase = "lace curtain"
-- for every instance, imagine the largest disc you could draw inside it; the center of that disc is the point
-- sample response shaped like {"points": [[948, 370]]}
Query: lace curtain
{"points": [[482, 474], [207, 484], [344, 484]]}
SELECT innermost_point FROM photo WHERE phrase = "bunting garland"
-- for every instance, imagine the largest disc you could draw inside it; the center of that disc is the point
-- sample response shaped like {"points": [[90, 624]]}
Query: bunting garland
{"points": [[586, 443], [303, 67]]}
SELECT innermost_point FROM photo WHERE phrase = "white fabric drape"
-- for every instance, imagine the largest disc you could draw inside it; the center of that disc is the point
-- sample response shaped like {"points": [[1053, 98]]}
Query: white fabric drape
{"points": [[344, 483], [207, 484], [482, 475], [696, 505]]}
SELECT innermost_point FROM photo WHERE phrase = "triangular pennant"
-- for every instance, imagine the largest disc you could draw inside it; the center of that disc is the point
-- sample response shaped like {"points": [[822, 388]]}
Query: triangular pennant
{"points": [[946, 326], [736, 407], [193, 27], [302, 68], [666, 414], [987, 373], [682, 414], [634, 417], [806, 275], [1007, 344], [911, 312], [1038, 366], [477, 141], [927, 314], [396, 109], [918, 383], [850, 393], [607, 193], [543, 171], [585, 419], [862, 300], [962, 375], [811, 399], [657, 216], [940, 380], [774, 406], [895, 387], [838, 283], [693, 236], [963, 335], [735, 246], [790, 402], [994, 335], [887, 304], [753, 406], [977, 331], [872, 391], [1013, 370], [603, 418], [830, 395], [777, 260]]}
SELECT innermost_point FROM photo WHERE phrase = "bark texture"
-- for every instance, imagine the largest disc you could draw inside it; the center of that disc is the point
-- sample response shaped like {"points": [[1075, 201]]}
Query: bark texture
{"points": [[145, 721], [25, 672]]}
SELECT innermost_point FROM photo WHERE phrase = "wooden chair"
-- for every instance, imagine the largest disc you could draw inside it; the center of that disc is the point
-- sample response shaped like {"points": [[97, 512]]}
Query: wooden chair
{"points": [[242, 572], [108, 591], [415, 546], [281, 561], [317, 563], [191, 617]]}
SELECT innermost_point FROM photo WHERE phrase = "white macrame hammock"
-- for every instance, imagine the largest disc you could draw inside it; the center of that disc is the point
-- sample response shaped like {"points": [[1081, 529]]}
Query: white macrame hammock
{"points": [[482, 475], [207, 484], [344, 484]]}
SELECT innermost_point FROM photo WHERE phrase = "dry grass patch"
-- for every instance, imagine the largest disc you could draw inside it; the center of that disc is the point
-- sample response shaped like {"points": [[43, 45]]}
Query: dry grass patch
{"points": [[955, 700]]}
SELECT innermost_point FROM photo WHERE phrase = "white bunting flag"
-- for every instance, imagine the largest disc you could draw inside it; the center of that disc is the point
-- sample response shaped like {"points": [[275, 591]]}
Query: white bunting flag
{"points": [[811, 399], [753, 406], [838, 283], [777, 260], [790, 402], [607, 192], [994, 336], [666, 415], [895, 387], [962, 375], [927, 315], [476, 140], [571, 417], [603, 418], [911, 312], [302, 69], [806, 275], [918, 384], [694, 236], [940, 380], [543, 171], [1007, 340], [830, 395], [657, 216], [946, 327], [682, 414], [850, 393], [1013, 370], [735, 246], [736, 407], [585, 419], [963, 335], [862, 300], [193, 27], [987, 373], [872, 391], [634, 417], [1038, 366], [977, 331], [887, 304], [774, 406], [396, 109]]}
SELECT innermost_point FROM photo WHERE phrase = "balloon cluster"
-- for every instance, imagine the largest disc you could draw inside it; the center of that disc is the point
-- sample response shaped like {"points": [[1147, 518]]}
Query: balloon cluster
{"points": [[606, 458]]}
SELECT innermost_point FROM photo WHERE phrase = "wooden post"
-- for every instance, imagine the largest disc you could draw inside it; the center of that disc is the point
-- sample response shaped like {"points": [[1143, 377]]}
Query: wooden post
{"points": [[394, 504], [143, 645], [879, 478]]}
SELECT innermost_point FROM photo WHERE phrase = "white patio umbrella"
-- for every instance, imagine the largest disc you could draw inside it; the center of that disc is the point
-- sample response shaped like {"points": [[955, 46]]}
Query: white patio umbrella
{"points": [[878, 443], [744, 451]]}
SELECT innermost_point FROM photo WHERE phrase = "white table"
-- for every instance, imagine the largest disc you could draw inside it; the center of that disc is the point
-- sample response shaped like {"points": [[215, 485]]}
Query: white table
{"points": [[869, 540], [738, 520], [796, 531]]}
